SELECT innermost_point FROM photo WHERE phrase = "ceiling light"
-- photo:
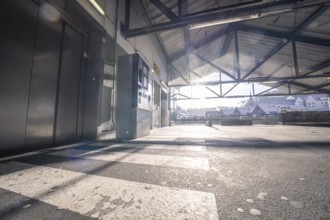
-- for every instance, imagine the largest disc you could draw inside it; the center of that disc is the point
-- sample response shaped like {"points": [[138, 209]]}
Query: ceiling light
{"points": [[223, 21], [164, 84], [97, 7]]}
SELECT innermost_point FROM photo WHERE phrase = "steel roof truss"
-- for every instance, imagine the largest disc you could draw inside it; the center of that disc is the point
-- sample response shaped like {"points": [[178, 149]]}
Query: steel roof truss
{"points": [[213, 65], [303, 25], [166, 11], [313, 88], [183, 22]]}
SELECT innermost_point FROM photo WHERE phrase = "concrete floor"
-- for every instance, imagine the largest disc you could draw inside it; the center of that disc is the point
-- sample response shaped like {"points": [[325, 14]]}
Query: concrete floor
{"points": [[180, 172]]}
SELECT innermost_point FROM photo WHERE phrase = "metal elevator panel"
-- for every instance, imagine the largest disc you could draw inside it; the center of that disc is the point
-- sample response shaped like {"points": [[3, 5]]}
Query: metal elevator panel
{"points": [[41, 110], [69, 86], [165, 110], [31, 92], [18, 21], [93, 82]]}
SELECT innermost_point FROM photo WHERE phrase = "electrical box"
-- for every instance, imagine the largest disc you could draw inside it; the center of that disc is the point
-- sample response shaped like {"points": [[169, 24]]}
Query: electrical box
{"points": [[133, 97]]}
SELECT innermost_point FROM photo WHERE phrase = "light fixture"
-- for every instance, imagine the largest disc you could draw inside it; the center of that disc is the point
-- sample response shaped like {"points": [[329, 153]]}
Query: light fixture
{"points": [[97, 7], [223, 21], [164, 84]]}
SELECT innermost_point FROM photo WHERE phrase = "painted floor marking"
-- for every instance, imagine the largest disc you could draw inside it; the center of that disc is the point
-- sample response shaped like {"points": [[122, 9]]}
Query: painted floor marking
{"points": [[136, 158], [155, 146], [104, 197]]}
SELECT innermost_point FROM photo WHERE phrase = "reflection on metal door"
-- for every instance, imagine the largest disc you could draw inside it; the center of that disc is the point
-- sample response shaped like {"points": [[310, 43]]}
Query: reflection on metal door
{"points": [[69, 86], [44, 77], [18, 19]]}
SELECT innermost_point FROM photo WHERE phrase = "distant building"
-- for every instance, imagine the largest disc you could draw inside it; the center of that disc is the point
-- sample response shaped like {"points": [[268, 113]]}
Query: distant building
{"points": [[317, 103], [245, 111], [236, 112], [264, 109], [227, 111]]}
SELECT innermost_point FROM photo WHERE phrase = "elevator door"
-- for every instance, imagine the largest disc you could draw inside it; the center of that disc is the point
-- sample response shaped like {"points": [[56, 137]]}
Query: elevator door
{"points": [[69, 86], [42, 100], [18, 21]]}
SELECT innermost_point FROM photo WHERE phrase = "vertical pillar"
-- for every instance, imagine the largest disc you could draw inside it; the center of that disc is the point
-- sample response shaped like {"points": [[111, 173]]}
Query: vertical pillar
{"points": [[237, 63]]}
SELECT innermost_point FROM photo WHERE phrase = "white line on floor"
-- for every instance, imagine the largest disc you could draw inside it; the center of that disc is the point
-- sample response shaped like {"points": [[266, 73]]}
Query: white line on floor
{"points": [[106, 198], [136, 158], [154, 146]]}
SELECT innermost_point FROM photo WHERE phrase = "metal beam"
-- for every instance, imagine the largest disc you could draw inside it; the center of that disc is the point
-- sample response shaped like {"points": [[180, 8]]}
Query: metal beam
{"points": [[126, 26], [213, 65], [289, 88], [226, 44], [267, 90], [178, 73], [166, 11], [231, 89], [248, 96], [160, 42], [302, 85], [237, 62], [211, 90], [281, 80], [308, 75], [267, 57], [204, 41], [228, 7], [295, 58], [317, 68], [323, 85], [180, 9], [179, 94], [265, 8], [290, 37], [311, 18], [276, 70], [284, 35]]}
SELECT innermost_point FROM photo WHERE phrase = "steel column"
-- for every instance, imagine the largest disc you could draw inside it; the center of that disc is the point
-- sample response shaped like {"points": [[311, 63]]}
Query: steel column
{"points": [[295, 58], [237, 61]]}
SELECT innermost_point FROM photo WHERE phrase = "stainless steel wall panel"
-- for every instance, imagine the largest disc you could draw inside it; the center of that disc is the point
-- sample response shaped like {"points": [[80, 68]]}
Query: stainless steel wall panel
{"points": [[106, 104], [164, 109], [17, 35], [69, 86], [41, 110], [31, 92], [93, 82]]}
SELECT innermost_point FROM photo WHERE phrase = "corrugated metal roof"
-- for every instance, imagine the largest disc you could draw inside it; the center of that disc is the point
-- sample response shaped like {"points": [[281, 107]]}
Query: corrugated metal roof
{"points": [[173, 40], [253, 47], [320, 27]]}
